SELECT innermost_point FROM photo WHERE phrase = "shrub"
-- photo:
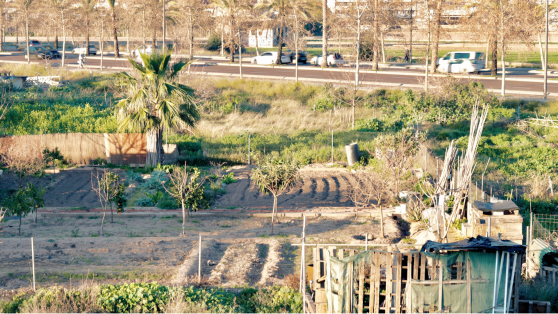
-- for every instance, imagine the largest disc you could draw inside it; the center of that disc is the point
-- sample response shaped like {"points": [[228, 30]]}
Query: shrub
{"points": [[229, 178], [370, 125], [144, 201], [167, 202], [213, 42]]}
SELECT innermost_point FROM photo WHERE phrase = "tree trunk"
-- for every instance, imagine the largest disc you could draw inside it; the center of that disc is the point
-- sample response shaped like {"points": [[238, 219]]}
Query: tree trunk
{"points": [[231, 42], [154, 39], [376, 37], [494, 51], [273, 212], [1, 25], [382, 221], [116, 50], [257, 44], [56, 37], [101, 44], [36, 208], [411, 36], [63, 41], [184, 216], [111, 214], [19, 225], [436, 35], [87, 52], [280, 48], [191, 38], [222, 40], [503, 51], [427, 47], [354, 105], [27, 38], [324, 35], [103, 221], [357, 53], [154, 147], [383, 47]]}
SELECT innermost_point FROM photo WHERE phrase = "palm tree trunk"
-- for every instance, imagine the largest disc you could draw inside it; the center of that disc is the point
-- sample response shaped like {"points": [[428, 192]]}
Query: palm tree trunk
{"points": [[154, 147], [191, 38], [324, 34], [56, 38], [257, 44], [116, 50]]}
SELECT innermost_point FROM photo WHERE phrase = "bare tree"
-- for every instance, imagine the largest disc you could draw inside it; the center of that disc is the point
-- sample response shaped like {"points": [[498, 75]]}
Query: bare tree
{"points": [[2, 19], [106, 187], [324, 33], [276, 176], [182, 184], [24, 8], [371, 189]]}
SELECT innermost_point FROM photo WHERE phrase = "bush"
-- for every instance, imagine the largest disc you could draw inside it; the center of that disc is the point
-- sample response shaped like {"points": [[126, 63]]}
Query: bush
{"points": [[229, 178], [167, 202], [213, 42], [144, 201], [370, 125]]}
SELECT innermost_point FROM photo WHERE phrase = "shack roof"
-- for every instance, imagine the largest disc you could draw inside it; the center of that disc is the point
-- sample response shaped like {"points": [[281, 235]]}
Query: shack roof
{"points": [[479, 243], [500, 206]]}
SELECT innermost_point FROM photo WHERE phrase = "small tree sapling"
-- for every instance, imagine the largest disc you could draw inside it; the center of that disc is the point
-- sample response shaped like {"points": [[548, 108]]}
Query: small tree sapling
{"points": [[276, 176], [106, 187]]}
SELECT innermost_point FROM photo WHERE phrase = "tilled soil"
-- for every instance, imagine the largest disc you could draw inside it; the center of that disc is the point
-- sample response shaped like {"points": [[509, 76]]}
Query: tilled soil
{"points": [[321, 187], [235, 252]]}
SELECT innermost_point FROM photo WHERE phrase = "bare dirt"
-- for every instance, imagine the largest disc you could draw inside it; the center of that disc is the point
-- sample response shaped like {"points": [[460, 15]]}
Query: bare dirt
{"points": [[235, 252]]}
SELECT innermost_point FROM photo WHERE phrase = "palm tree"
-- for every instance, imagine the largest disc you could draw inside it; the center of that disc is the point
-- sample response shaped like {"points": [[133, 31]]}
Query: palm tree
{"points": [[86, 8], [2, 3], [156, 102], [116, 50]]}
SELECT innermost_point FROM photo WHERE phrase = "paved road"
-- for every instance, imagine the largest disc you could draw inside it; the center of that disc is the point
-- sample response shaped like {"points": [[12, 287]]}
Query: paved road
{"points": [[519, 82]]}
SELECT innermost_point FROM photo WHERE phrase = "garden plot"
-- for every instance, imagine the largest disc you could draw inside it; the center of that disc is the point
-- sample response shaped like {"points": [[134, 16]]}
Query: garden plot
{"points": [[320, 187], [241, 250]]}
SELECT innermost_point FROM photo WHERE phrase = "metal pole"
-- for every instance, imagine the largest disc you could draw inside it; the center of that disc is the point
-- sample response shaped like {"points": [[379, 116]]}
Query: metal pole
{"points": [[33, 261], [249, 148], [199, 260], [546, 55], [507, 309], [303, 264], [496, 288], [366, 242], [489, 233]]}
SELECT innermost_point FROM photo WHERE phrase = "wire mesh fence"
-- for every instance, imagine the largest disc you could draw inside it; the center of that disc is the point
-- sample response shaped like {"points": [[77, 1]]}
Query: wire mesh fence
{"points": [[545, 227]]}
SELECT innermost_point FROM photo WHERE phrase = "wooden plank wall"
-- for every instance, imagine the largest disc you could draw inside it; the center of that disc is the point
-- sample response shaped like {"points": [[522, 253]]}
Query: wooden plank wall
{"points": [[380, 286], [549, 275]]}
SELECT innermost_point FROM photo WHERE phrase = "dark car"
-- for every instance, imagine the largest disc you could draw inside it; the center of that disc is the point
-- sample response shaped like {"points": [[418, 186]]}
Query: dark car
{"points": [[41, 53], [302, 56]]}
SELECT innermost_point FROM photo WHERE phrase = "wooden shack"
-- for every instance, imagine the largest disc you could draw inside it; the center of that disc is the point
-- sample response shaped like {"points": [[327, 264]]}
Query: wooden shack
{"points": [[498, 219]]}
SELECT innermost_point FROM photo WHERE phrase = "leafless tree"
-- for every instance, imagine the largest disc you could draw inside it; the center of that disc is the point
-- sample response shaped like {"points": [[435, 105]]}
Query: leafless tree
{"points": [[371, 188], [24, 158], [105, 185]]}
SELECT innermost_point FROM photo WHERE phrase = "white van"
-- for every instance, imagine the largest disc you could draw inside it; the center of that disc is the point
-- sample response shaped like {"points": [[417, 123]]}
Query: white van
{"points": [[461, 62]]}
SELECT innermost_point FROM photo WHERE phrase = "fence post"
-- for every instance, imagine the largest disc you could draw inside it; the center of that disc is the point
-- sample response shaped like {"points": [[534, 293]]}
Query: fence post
{"points": [[332, 145], [33, 261], [199, 260]]}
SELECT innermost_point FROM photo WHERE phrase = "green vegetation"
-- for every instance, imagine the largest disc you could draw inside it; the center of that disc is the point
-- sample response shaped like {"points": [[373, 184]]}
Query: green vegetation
{"points": [[155, 298]]}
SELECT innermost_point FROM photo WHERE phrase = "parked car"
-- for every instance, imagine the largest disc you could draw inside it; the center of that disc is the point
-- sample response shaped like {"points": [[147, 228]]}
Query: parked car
{"points": [[42, 53], [302, 56], [461, 62], [270, 57], [22, 46], [83, 50], [332, 59]]}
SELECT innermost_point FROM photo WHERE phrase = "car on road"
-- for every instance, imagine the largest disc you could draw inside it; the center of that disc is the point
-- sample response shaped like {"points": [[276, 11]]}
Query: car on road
{"points": [[302, 56], [22, 46], [332, 59], [461, 62], [270, 57], [42, 53], [83, 50]]}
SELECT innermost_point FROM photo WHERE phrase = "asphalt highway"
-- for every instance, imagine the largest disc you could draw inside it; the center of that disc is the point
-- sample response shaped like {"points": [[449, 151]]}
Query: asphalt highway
{"points": [[518, 81]]}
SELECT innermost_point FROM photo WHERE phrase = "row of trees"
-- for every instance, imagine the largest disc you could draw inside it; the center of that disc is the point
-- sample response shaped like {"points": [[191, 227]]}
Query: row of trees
{"points": [[365, 23]]}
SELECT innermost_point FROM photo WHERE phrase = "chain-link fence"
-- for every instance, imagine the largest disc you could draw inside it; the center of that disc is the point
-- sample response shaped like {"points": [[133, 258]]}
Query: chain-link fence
{"points": [[545, 227]]}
